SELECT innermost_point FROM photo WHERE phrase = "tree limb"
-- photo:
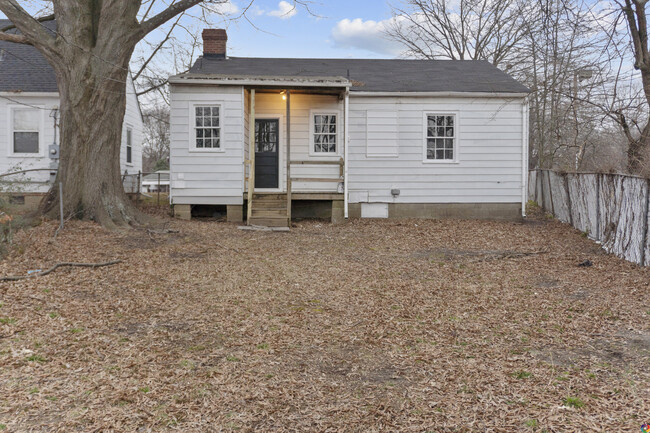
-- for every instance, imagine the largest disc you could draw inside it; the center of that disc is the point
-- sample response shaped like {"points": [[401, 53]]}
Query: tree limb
{"points": [[158, 20], [58, 265], [33, 32]]}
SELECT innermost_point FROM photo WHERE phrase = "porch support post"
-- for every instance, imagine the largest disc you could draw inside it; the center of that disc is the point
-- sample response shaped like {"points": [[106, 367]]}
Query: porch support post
{"points": [[251, 158], [346, 142], [288, 153]]}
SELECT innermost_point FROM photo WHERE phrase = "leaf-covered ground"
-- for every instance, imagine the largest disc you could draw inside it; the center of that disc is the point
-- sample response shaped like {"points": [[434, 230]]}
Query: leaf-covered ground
{"points": [[409, 326]]}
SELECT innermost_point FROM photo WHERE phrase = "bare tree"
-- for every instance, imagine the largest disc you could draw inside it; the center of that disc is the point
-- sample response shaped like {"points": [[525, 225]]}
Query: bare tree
{"points": [[463, 30], [638, 135], [156, 137], [556, 47], [90, 52]]}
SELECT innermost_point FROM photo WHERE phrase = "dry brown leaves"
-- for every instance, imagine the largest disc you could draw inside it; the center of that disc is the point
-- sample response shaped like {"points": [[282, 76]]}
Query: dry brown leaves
{"points": [[410, 326]]}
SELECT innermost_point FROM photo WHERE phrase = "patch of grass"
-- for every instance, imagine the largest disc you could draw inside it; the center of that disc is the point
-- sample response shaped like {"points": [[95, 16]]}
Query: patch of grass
{"points": [[263, 346], [33, 391], [575, 402], [196, 348], [532, 423], [76, 330], [51, 398], [231, 358], [53, 315], [7, 321], [144, 389], [3, 427], [521, 374], [36, 358], [187, 364]]}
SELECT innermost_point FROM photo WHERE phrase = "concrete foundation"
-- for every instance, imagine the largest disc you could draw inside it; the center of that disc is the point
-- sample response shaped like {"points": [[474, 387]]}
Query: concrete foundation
{"points": [[474, 211], [235, 213], [183, 211], [338, 212], [21, 203]]}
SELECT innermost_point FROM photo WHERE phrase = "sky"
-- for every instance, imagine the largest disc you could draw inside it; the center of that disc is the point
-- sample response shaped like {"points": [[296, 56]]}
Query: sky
{"points": [[337, 29]]}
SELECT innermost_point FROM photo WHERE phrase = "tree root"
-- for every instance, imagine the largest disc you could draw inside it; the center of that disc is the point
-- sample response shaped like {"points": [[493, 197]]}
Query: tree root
{"points": [[59, 265]]}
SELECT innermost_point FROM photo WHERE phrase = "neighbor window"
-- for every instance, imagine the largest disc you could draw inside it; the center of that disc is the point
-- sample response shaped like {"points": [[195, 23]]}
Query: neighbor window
{"points": [[129, 146], [26, 130], [441, 137], [207, 127], [324, 133]]}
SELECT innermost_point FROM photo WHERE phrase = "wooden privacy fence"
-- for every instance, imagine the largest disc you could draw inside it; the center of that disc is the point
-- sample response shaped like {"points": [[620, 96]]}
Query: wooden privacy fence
{"points": [[612, 209]]}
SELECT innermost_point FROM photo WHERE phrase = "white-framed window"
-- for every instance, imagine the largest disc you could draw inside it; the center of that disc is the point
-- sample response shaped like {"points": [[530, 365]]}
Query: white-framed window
{"points": [[206, 130], [129, 145], [441, 137], [25, 131], [324, 133]]}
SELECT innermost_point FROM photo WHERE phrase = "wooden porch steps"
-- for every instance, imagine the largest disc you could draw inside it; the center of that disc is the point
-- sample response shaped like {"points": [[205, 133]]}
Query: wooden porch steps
{"points": [[269, 210]]}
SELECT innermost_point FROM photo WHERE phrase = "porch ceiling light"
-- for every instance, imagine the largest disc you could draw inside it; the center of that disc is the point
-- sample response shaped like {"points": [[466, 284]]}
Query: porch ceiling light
{"points": [[284, 95]]}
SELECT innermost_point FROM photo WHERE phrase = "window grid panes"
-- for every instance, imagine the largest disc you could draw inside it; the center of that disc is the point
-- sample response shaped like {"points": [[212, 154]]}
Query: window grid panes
{"points": [[325, 133], [441, 135], [207, 128], [25, 130], [129, 148]]}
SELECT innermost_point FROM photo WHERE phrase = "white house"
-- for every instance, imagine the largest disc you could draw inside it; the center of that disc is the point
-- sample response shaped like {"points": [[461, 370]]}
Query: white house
{"points": [[373, 138], [29, 100]]}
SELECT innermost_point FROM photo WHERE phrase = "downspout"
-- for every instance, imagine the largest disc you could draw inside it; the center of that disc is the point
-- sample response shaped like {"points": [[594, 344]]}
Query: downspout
{"points": [[346, 109], [524, 156]]}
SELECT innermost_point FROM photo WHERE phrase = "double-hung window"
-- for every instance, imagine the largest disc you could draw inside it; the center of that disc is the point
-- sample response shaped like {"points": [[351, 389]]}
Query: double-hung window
{"points": [[325, 133], [25, 132], [207, 127], [441, 137], [129, 146]]}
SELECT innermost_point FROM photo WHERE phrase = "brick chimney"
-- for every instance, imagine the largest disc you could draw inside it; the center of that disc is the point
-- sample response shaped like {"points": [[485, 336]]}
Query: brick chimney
{"points": [[214, 43]]}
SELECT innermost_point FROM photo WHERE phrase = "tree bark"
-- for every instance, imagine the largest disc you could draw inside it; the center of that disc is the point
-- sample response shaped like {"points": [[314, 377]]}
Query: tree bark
{"points": [[91, 140], [90, 52]]}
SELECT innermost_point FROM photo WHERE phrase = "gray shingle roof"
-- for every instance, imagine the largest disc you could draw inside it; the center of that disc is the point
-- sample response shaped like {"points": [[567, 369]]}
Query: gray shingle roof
{"points": [[23, 68], [374, 75]]}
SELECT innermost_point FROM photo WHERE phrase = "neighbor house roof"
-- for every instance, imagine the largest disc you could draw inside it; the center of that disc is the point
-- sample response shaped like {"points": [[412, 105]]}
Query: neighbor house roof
{"points": [[369, 75], [23, 68], [152, 178]]}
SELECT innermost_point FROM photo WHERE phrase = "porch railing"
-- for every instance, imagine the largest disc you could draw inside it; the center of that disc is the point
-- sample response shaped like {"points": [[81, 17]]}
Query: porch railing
{"points": [[319, 179]]}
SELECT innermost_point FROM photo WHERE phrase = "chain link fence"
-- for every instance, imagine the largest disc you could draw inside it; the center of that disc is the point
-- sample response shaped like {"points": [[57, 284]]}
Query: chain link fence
{"points": [[611, 209]]}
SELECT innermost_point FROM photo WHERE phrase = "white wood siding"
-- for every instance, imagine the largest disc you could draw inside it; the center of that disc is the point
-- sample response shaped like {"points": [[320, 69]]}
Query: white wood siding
{"points": [[133, 120], [489, 167], [207, 177], [47, 103], [9, 162]]}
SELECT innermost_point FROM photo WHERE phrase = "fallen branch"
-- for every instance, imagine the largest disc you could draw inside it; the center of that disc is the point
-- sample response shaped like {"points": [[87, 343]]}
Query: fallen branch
{"points": [[59, 265]]}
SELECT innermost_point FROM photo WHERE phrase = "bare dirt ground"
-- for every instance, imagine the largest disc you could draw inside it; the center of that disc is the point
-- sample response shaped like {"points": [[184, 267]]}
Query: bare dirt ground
{"points": [[409, 326]]}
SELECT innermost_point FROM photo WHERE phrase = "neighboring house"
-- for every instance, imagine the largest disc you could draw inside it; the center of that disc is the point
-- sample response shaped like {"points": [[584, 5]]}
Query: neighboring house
{"points": [[29, 100], [156, 181], [370, 138]]}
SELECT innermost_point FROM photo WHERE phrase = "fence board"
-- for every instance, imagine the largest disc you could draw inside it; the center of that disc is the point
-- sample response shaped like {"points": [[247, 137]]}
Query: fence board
{"points": [[560, 197], [532, 185], [584, 208], [614, 209], [647, 227]]}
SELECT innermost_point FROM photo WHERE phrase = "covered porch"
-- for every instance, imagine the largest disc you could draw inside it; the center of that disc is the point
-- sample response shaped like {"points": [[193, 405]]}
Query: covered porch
{"points": [[295, 132]]}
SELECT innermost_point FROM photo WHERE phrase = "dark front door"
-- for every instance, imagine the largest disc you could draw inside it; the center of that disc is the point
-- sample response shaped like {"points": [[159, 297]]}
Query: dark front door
{"points": [[266, 153]]}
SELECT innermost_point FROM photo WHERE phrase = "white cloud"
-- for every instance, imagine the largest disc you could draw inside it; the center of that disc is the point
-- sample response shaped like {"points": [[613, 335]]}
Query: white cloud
{"points": [[257, 11], [225, 8], [285, 10], [366, 35]]}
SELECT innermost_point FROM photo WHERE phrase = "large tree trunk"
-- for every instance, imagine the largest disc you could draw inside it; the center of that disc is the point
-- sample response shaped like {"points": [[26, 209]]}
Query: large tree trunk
{"points": [[92, 87]]}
